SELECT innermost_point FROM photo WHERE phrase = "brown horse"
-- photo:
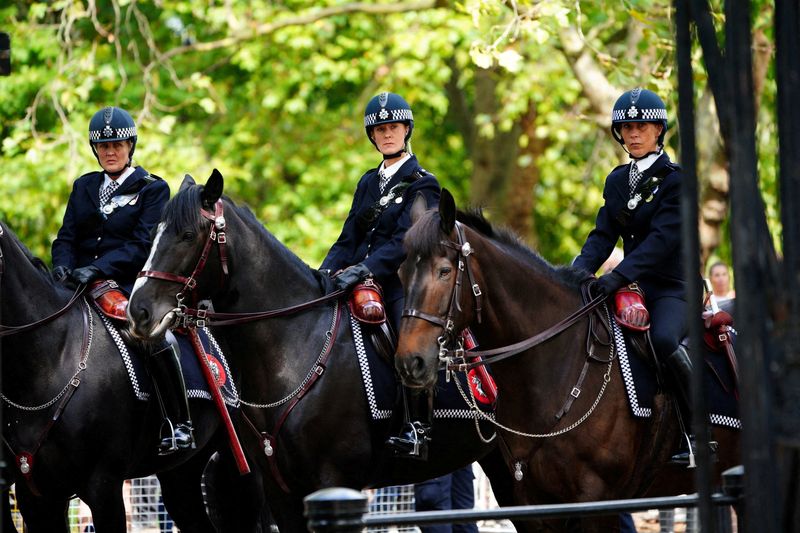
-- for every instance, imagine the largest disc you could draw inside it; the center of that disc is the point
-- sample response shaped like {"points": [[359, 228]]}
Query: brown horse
{"points": [[467, 273]]}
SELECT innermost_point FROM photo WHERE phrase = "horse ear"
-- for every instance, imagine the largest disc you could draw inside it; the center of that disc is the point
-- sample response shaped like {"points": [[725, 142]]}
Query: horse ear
{"points": [[419, 207], [187, 182], [213, 189], [447, 211]]}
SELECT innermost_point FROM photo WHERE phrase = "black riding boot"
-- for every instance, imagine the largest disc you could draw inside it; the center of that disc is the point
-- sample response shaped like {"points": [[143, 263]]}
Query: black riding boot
{"points": [[416, 430], [165, 369], [680, 368]]}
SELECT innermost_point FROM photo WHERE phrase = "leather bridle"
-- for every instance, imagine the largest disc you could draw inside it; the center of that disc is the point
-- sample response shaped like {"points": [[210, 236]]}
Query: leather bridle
{"points": [[464, 252], [200, 316], [456, 358], [217, 234]]}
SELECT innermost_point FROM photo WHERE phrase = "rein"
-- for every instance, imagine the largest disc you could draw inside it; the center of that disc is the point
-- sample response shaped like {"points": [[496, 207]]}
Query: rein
{"points": [[202, 317], [456, 357], [13, 330]]}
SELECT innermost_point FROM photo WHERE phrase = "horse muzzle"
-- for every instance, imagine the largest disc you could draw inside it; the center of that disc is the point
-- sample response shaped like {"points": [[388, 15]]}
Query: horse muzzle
{"points": [[416, 371], [144, 326]]}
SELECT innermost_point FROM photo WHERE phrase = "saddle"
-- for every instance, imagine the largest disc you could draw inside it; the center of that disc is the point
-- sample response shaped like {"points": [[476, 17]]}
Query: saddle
{"points": [[110, 299]]}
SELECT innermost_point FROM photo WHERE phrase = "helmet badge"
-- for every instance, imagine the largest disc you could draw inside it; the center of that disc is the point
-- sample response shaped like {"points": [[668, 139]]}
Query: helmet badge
{"points": [[108, 131], [632, 111], [383, 114]]}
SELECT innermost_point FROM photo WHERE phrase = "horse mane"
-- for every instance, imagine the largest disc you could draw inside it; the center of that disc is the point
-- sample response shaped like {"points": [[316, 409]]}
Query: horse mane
{"points": [[181, 212], [39, 265], [425, 236]]}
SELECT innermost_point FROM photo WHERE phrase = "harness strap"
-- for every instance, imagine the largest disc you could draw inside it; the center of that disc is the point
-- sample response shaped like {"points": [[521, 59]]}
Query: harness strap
{"points": [[25, 459], [504, 352], [13, 330], [270, 441]]}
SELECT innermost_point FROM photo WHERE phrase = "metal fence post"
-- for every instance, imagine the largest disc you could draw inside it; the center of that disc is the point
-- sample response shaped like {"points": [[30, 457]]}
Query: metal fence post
{"points": [[733, 485], [335, 509]]}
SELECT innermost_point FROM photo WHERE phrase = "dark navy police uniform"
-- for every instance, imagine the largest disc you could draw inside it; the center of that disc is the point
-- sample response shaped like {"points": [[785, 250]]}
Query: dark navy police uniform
{"points": [[117, 243], [651, 239], [379, 244], [451, 491]]}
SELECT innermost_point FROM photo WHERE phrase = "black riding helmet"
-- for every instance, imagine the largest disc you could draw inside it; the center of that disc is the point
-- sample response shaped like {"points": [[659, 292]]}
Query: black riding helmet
{"points": [[638, 105], [112, 124], [385, 108]]}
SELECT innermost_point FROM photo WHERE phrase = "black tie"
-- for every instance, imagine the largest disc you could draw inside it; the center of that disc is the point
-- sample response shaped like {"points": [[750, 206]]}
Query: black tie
{"points": [[108, 190]]}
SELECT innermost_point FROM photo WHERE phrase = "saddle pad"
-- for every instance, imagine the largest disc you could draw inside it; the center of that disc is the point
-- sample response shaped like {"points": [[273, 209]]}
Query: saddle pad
{"points": [[641, 385], [380, 385], [196, 386]]}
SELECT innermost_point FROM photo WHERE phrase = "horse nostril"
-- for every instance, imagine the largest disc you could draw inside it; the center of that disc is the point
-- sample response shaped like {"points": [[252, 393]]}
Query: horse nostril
{"points": [[140, 315]]}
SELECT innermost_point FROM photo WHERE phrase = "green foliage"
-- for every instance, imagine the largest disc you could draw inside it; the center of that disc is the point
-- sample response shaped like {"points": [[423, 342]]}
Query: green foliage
{"points": [[272, 94]]}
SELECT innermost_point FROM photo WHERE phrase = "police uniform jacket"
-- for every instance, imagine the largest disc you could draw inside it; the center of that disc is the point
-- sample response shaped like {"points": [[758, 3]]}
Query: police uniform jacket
{"points": [[116, 243], [651, 233], [379, 244]]}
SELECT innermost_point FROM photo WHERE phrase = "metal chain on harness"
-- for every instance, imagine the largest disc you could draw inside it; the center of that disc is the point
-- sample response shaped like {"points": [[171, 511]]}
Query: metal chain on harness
{"points": [[73, 381], [581, 420], [315, 368]]}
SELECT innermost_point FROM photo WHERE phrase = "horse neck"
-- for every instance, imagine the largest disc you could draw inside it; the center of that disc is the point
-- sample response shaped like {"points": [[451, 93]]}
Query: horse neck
{"points": [[264, 276], [521, 298]]}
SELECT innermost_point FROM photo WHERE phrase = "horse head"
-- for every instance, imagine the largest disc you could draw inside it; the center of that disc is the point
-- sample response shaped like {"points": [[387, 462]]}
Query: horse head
{"points": [[188, 258], [442, 291]]}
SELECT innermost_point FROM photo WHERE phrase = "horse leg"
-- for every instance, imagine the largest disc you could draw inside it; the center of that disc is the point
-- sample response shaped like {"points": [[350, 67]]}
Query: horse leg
{"points": [[235, 502], [183, 495], [104, 498], [288, 513], [42, 515]]}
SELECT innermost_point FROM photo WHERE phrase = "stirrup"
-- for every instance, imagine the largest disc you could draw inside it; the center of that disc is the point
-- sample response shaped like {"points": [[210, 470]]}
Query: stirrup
{"points": [[177, 437], [412, 442]]}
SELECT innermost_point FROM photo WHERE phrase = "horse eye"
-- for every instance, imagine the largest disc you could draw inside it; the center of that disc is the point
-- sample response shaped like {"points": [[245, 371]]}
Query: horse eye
{"points": [[187, 236], [445, 271]]}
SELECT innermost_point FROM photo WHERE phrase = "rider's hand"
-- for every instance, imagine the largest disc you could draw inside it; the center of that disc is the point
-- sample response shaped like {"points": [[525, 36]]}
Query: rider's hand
{"points": [[85, 274], [61, 273], [610, 283], [351, 275]]}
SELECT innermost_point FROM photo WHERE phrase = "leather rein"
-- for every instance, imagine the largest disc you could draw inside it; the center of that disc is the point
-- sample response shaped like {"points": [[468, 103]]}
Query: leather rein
{"points": [[200, 316], [456, 358], [13, 330]]}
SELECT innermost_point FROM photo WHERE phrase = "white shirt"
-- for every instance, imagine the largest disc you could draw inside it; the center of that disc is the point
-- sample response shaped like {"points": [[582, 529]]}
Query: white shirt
{"points": [[647, 162], [390, 171], [120, 180]]}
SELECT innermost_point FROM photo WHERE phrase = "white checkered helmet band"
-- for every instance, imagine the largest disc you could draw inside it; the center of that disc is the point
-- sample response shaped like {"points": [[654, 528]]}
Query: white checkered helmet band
{"points": [[638, 105], [112, 124], [387, 107]]}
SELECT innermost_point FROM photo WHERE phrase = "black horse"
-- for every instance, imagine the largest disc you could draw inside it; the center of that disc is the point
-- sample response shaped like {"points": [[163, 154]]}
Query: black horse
{"points": [[319, 436], [70, 419]]}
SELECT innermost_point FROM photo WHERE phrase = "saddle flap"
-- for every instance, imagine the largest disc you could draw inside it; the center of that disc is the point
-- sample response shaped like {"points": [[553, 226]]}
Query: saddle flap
{"points": [[366, 303], [630, 309], [109, 298]]}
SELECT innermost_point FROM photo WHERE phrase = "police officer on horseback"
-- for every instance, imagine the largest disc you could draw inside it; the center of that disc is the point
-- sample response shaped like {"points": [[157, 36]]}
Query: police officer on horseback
{"points": [[642, 205], [105, 235], [370, 245]]}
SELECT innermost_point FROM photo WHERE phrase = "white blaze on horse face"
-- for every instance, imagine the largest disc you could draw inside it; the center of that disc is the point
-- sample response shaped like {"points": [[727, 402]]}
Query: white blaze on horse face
{"points": [[149, 263]]}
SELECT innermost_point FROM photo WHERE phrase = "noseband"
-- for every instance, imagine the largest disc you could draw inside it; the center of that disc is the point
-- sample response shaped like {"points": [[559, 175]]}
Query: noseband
{"points": [[216, 234], [449, 336]]}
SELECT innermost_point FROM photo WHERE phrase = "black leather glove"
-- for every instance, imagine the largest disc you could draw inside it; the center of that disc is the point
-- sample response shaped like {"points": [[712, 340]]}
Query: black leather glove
{"points": [[351, 275], [61, 273], [85, 274], [609, 283]]}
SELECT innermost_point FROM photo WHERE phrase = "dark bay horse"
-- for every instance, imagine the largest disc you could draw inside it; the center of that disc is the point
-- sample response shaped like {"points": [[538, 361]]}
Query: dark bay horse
{"points": [[324, 434], [102, 434], [475, 275]]}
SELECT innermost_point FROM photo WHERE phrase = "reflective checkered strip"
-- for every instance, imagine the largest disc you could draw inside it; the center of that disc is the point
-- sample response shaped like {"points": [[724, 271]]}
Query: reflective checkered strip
{"points": [[638, 114], [110, 133], [397, 115]]}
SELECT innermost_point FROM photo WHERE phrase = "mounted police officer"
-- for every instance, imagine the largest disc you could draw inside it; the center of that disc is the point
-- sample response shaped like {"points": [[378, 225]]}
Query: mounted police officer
{"points": [[371, 242], [642, 205], [105, 235]]}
